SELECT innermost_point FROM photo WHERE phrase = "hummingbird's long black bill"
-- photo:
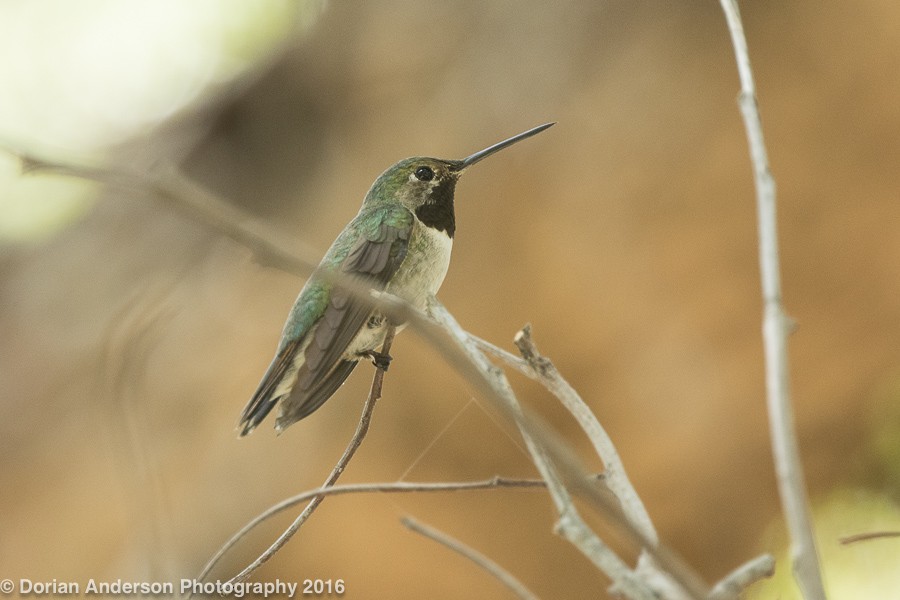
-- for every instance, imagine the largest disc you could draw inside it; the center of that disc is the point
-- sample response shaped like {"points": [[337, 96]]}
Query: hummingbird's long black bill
{"points": [[471, 160]]}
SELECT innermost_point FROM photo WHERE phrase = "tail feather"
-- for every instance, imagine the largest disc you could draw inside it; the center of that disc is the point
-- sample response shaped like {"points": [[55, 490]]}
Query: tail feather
{"points": [[268, 393], [256, 411], [310, 392]]}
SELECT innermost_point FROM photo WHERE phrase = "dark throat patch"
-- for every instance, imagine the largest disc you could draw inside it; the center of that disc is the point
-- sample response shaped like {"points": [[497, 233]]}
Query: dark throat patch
{"points": [[437, 212]]}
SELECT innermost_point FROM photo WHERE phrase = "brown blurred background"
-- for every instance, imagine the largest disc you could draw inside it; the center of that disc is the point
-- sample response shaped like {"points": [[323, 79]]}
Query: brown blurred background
{"points": [[131, 336]]}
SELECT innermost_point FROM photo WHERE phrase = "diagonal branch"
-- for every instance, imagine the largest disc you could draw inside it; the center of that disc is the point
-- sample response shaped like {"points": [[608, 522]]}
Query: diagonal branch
{"points": [[562, 471], [776, 326], [541, 369], [544, 371], [498, 572], [168, 184]]}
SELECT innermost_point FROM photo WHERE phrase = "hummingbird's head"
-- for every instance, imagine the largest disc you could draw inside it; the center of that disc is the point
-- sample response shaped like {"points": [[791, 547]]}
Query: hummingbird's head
{"points": [[425, 186]]}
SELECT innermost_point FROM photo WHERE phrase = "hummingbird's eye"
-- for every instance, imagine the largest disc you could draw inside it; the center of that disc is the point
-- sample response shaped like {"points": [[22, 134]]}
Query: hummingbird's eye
{"points": [[424, 174]]}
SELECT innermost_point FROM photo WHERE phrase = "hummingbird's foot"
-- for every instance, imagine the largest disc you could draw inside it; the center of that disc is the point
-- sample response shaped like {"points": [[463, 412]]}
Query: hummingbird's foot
{"points": [[379, 359]]}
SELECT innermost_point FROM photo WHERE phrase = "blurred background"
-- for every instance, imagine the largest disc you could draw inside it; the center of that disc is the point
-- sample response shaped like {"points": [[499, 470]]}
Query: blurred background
{"points": [[131, 336]]}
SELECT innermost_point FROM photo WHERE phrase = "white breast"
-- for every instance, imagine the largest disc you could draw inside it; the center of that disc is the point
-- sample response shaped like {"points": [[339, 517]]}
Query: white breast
{"points": [[421, 274], [425, 266]]}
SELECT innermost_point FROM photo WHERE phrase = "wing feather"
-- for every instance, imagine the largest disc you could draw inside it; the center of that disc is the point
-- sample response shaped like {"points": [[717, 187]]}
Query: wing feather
{"points": [[374, 259], [328, 385]]}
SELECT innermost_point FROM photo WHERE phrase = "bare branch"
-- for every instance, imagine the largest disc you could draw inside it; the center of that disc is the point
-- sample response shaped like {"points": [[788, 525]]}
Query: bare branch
{"points": [[542, 370], [170, 185], [561, 470], [546, 373], [479, 559], [365, 488], [776, 326], [864, 537], [520, 364], [734, 584]]}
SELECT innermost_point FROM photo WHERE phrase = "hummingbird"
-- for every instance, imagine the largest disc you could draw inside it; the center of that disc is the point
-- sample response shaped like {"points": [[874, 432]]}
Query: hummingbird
{"points": [[399, 242]]}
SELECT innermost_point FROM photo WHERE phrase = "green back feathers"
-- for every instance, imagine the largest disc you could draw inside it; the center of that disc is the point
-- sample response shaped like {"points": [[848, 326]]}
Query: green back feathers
{"points": [[313, 298]]}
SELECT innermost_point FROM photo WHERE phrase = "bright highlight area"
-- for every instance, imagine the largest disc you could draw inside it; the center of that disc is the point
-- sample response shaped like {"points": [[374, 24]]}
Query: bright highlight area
{"points": [[80, 77]]}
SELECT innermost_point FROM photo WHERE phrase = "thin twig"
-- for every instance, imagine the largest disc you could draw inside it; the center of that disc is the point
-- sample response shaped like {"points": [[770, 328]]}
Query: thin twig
{"points": [[364, 488], [520, 364], [734, 584], [362, 429], [864, 537], [498, 572], [776, 326]]}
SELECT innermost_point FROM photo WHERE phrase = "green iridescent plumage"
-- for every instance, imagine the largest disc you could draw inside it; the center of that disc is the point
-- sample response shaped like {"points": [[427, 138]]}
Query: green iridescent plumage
{"points": [[313, 298]]}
